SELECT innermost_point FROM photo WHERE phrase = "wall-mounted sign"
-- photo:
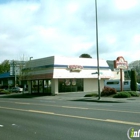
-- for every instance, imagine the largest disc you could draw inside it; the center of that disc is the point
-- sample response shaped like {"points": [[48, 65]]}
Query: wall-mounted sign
{"points": [[67, 82], [10, 82], [73, 82], [75, 68], [120, 63]]}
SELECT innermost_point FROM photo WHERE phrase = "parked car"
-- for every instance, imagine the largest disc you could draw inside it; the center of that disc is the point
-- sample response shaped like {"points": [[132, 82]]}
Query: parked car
{"points": [[16, 89], [138, 84], [115, 83]]}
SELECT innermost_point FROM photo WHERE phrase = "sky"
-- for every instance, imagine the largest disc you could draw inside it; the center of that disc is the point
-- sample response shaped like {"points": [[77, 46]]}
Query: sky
{"points": [[42, 28]]}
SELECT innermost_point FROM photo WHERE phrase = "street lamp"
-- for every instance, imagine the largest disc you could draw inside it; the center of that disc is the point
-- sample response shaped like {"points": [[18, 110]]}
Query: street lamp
{"points": [[98, 68], [14, 71], [31, 58]]}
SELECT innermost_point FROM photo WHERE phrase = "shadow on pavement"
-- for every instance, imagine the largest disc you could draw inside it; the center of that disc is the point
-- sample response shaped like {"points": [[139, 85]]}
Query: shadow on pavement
{"points": [[99, 101], [23, 95]]}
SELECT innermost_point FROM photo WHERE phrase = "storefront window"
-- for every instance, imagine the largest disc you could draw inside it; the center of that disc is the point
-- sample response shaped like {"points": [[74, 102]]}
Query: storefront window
{"points": [[47, 86], [41, 84], [70, 85], [35, 86]]}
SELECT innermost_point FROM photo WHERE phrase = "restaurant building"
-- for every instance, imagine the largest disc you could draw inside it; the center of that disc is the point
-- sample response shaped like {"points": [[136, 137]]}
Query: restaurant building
{"points": [[57, 74]]}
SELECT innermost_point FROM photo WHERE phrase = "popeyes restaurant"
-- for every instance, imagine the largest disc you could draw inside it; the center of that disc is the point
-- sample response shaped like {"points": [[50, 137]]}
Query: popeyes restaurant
{"points": [[55, 74]]}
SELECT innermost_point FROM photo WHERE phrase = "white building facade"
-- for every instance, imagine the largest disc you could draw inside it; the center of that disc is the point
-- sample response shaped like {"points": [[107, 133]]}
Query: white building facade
{"points": [[55, 74]]}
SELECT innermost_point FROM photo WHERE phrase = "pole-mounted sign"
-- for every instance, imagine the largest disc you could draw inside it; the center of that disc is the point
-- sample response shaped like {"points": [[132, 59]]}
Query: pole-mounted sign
{"points": [[121, 64]]}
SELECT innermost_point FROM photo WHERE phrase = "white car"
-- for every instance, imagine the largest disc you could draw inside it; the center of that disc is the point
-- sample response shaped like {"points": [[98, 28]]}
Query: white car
{"points": [[138, 86], [17, 89], [116, 84]]}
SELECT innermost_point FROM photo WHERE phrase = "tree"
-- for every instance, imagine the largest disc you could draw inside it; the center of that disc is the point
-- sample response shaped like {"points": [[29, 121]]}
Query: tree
{"points": [[133, 80], [4, 66], [136, 66], [127, 74], [84, 55]]}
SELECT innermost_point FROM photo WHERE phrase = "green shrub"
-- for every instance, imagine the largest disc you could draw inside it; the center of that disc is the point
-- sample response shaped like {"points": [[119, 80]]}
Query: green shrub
{"points": [[5, 92], [1, 90], [107, 91], [133, 93], [122, 94]]}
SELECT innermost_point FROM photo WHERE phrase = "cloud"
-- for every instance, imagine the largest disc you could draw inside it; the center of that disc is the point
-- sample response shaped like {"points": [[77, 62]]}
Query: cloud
{"points": [[125, 4], [41, 28]]}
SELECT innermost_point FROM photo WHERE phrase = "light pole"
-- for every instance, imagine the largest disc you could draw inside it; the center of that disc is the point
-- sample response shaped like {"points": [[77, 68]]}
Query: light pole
{"points": [[31, 58], [98, 68], [14, 71]]}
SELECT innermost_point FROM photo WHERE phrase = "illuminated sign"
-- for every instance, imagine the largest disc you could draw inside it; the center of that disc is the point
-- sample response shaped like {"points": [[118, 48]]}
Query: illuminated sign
{"points": [[75, 68]]}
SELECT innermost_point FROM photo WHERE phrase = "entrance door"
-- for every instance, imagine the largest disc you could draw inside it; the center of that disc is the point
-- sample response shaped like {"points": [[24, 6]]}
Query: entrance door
{"points": [[47, 86]]}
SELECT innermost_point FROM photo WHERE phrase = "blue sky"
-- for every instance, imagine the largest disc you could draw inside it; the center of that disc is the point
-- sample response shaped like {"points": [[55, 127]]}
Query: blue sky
{"points": [[41, 28], [4, 1], [8, 1]]}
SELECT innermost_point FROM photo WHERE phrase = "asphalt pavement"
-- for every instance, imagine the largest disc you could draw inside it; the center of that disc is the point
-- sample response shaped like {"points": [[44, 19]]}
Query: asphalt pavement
{"points": [[69, 116]]}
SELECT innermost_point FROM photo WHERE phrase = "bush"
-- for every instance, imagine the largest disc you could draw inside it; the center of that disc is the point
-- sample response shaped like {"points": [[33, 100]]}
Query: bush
{"points": [[1, 90], [133, 93], [107, 91], [122, 94], [5, 92]]}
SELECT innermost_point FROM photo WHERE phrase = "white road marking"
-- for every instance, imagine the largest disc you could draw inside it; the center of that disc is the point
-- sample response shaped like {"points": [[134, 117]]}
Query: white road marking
{"points": [[22, 103], [41, 112], [72, 116], [13, 124], [74, 107], [14, 99], [98, 104]]}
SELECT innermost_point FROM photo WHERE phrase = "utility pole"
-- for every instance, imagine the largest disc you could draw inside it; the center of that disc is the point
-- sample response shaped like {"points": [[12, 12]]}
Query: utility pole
{"points": [[98, 66]]}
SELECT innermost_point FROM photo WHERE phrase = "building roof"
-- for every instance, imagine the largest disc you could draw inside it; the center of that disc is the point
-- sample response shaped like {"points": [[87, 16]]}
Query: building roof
{"points": [[111, 64], [66, 67], [5, 75], [64, 61]]}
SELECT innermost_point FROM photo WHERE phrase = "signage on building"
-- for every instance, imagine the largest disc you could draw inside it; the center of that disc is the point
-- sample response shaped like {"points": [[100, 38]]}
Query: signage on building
{"points": [[10, 82], [120, 63], [67, 82], [75, 68], [16, 67]]}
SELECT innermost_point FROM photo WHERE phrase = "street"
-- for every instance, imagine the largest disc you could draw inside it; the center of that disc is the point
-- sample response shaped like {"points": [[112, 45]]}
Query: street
{"points": [[64, 117]]}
